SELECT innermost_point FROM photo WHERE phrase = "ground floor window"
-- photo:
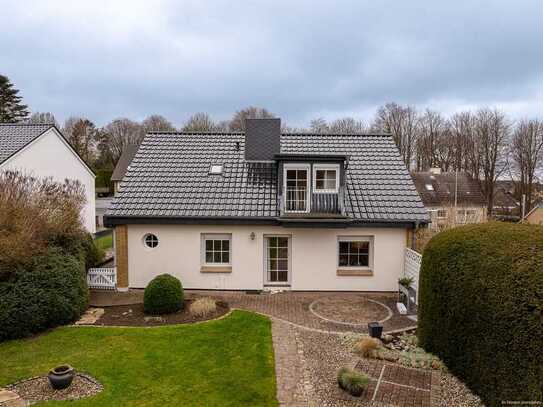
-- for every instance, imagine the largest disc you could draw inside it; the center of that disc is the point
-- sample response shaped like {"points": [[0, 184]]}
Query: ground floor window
{"points": [[354, 252], [216, 249]]}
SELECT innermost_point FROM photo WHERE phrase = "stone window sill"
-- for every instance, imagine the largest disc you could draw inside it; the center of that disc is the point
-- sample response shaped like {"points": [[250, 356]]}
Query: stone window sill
{"points": [[216, 269], [355, 272]]}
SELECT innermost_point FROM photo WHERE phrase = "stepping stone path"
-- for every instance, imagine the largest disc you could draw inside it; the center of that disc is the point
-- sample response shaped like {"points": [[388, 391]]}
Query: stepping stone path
{"points": [[90, 316], [10, 399]]}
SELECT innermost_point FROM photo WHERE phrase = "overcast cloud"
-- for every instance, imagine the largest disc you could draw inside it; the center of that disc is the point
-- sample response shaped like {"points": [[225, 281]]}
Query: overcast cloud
{"points": [[299, 59]]}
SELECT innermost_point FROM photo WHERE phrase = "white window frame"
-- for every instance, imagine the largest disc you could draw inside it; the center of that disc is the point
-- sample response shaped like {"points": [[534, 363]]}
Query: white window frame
{"points": [[441, 217], [144, 240], [307, 169], [371, 250], [266, 258], [333, 167], [215, 236]]}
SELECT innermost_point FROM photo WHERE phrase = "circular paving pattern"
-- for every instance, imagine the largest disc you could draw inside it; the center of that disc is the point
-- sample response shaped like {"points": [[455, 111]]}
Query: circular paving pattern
{"points": [[354, 311]]}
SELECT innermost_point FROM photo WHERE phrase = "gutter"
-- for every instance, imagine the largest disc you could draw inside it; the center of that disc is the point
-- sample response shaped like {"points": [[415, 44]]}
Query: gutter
{"points": [[112, 221]]}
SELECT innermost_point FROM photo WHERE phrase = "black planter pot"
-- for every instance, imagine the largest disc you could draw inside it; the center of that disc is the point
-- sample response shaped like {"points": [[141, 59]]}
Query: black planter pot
{"points": [[61, 377], [375, 329]]}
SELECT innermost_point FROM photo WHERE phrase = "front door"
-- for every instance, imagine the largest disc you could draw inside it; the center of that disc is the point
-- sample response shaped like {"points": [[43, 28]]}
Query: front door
{"points": [[277, 260]]}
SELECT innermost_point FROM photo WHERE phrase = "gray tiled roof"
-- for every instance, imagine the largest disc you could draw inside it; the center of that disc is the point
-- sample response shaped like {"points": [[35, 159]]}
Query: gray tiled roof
{"points": [[13, 137], [443, 187], [124, 161], [169, 177]]}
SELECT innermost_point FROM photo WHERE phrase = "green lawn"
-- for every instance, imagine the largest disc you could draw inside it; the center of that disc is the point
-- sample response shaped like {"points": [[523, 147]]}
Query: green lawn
{"points": [[219, 363], [105, 242]]}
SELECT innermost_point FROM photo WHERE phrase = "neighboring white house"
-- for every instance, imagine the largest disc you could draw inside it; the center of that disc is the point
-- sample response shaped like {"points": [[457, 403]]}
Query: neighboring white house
{"points": [[264, 210], [42, 151]]}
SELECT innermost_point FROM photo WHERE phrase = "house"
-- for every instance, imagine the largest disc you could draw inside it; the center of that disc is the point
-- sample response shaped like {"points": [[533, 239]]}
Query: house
{"points": [[42, 151], [122, 165], [451, 198], [535, 216], [505, 205], [264, 210]]}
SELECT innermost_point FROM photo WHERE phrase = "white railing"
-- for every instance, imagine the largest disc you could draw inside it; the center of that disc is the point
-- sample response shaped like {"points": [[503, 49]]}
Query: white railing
{"points": [[412, 261], [296, 200], [104, 278]]}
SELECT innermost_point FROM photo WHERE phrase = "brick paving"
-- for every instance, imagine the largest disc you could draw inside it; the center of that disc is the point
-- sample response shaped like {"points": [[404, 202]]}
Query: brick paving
{"points": [[292, 387], [294, 307], [401, 386]]}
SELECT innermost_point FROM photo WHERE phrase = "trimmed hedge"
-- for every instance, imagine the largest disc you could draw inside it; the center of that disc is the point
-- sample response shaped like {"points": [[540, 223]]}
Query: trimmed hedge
{"points": [[51, 291], [163, 295], [481, 308]]}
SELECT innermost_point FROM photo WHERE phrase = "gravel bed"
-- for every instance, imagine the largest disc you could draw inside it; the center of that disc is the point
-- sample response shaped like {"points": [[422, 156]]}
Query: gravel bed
{"points": [[324, 354], [38, 389], [455, 393]]}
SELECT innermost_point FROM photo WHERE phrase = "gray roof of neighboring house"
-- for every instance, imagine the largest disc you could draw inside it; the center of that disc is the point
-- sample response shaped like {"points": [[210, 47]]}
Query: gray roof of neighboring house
{"points": [[14, 137], [124, 161], [439, 189], [169, 178]]}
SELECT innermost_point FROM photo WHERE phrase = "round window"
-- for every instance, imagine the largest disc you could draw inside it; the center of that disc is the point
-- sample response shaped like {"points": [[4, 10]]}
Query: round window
{"points": [[150, 240]]}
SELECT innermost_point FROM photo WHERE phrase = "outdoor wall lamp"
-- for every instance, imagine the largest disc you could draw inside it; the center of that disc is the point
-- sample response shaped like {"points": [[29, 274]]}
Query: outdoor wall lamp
{"points": [[252, 235]]}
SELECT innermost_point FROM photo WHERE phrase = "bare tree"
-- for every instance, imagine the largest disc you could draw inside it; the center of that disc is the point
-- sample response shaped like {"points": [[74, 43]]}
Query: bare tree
{"points": [[347, 125], [200, 122], [401, 122], [526, 153], [431, 125], [157, 123], [42, 118], [117, 135], [83, 137], [319, 125], [491, 134], [462, 128], [252, 112]]}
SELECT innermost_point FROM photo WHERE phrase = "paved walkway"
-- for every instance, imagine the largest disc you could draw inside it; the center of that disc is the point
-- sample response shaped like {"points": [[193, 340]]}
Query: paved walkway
{"points": [[330, 312]]}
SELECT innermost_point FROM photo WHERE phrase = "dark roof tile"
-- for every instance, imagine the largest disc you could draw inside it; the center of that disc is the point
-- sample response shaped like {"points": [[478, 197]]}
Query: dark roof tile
{"points": [[169, 176]]}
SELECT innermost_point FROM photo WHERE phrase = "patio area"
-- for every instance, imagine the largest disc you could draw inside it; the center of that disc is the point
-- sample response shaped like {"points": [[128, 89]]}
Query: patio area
{"points": [[327, 312]]}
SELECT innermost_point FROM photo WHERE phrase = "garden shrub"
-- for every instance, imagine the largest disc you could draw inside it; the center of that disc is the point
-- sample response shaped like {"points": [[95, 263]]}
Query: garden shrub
{"points": [[163, 295], [481, 308], [51, 291], [352, 382], [203, 306], [367, 346]]}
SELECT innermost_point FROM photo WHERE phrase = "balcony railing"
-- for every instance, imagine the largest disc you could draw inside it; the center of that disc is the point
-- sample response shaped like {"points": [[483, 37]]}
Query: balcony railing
{"points": [[325, 203], [296, 200]]}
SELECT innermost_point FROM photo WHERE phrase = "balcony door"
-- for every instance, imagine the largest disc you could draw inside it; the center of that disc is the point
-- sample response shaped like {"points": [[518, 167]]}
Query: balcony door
{"points": [[296, 185], [277, 261]]}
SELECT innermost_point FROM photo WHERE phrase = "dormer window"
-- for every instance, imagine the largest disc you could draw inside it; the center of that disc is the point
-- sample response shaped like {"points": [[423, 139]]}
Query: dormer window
{"points": [[296, 183], [326, 178]]}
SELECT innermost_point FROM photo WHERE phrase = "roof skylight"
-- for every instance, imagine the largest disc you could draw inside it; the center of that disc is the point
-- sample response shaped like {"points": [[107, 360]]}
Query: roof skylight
{"points": [[216, 169], [429, 187]]}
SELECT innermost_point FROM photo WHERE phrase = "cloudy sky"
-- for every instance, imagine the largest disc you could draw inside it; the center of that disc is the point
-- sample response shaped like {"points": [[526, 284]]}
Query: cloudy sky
{"points": [[299, 59]]}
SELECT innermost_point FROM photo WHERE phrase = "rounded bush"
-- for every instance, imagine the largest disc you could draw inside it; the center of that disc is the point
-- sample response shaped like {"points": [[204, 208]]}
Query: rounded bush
{"points": [[163, 295], [51, 291], [481, 308]]}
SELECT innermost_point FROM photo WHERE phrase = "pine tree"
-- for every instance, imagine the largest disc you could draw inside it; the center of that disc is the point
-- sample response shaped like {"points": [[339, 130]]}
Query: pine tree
{"points": [[11, 108]]}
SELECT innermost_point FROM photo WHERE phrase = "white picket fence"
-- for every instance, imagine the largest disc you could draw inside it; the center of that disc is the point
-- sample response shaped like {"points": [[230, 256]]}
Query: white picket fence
{"points": [[412, 261], [104, 278]]}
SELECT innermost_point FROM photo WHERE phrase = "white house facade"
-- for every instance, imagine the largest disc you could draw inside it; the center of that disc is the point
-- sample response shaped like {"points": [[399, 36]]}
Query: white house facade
{"points": [[42, 151], [261, 210]]}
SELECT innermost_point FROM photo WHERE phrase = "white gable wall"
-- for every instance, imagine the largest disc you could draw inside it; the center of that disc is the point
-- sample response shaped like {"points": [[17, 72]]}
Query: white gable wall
{"points": [[50, 156]]}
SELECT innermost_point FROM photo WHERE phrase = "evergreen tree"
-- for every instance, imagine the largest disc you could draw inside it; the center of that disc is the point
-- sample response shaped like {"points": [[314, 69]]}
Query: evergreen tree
{"points": [[11, 108]]}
